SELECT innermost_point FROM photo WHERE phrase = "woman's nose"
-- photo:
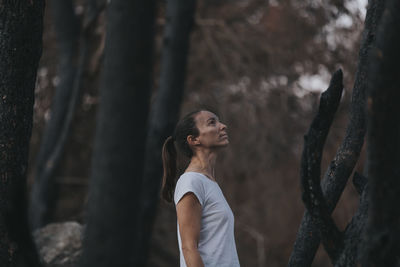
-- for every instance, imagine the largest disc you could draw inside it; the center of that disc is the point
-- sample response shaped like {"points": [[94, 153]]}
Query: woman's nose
{"points": [[223, 126]]}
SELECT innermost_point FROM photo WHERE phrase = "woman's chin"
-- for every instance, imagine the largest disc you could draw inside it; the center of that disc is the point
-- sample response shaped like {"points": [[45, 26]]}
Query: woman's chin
{"points": [[225, 143], [221, 145]]}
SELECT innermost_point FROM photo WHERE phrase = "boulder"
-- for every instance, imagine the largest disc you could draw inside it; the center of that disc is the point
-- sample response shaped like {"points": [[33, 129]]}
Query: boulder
{"points": [[59, 244]]}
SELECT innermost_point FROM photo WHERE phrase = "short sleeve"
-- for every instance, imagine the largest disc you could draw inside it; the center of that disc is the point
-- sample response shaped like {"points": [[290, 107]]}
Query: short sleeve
{"points": [[189, 183]]}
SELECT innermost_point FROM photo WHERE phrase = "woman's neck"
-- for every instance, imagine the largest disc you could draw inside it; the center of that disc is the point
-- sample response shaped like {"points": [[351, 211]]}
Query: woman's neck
{"points": [[203, 162]]}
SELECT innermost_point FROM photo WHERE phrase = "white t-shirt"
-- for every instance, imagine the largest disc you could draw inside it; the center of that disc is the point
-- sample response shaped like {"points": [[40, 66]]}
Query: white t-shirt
{"points": [[216, 245]]}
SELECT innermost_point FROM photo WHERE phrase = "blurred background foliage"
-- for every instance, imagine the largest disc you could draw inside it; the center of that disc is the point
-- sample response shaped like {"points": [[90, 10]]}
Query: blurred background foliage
{"points": [[261, 65]]}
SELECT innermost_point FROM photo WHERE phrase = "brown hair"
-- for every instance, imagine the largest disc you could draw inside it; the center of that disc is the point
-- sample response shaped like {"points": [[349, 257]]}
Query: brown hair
{"points": [[185, 127]]}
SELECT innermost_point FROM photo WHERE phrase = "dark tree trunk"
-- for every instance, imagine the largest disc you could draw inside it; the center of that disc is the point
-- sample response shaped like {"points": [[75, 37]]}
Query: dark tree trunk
{"points": [[21, 26], [118, 158], [165, 110], [382, 243], [43, 195], [336, 177]]}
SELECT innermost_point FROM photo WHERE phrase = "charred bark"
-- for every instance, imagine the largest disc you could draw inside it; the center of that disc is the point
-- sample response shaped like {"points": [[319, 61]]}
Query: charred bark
{"points": [[382, 242], [117, 167], [21, 26], [335, 178], [165, 110]]}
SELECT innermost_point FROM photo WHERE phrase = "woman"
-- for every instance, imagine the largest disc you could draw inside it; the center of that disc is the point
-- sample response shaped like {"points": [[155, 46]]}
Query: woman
{"points": [[205, 220]]}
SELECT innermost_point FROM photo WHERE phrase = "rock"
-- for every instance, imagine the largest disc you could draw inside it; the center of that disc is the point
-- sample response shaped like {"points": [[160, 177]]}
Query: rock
{"points": [[59, 244]]}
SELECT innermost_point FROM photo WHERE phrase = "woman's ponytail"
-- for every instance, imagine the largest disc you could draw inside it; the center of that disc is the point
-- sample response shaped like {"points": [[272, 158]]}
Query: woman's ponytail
{"points": [[169, 157], [185, 127]]}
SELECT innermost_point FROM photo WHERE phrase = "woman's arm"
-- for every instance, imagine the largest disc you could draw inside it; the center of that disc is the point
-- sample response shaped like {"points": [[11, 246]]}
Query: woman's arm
{"points": [[188, 211]]}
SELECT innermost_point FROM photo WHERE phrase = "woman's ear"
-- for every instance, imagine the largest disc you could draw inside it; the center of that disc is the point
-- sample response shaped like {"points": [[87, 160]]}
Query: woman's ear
{"points": [[192, 141]]}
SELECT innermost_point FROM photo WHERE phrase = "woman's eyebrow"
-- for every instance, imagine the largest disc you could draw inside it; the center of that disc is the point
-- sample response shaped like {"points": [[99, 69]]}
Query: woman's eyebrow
{"points": [[212, 118]]}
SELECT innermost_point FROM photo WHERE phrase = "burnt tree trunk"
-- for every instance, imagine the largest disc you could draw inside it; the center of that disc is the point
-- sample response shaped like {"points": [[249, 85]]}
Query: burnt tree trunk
{"points": [[73, 43], [336, 177], [382, 243], [118, 158], [43, 195], [165, 110], [21, 26]]}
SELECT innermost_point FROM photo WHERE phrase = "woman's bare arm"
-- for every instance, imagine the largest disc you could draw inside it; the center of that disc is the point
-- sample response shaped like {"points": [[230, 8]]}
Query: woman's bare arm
{"points": [[188, 211]]}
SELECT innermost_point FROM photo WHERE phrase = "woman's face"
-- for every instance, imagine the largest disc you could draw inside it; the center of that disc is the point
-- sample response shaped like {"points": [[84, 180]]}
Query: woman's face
{"points": [[212, 132]]}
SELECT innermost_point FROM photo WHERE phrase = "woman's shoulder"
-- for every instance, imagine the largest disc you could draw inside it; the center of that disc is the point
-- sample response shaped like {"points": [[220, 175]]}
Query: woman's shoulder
{"points": [[191, 174], [196, 176], [195, 179], [190, 177], [190, 182]]}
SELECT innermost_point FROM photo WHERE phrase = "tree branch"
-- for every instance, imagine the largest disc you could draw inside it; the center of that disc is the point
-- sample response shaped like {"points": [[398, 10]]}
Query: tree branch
{"points": [[311, 167], [335, 179]]}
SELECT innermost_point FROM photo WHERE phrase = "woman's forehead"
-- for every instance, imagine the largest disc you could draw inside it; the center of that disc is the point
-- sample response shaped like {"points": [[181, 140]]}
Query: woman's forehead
{"points": [[204, 116]]}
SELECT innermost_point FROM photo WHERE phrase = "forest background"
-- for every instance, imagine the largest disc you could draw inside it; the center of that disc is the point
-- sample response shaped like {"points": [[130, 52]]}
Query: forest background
{"points": [[261, 65]]}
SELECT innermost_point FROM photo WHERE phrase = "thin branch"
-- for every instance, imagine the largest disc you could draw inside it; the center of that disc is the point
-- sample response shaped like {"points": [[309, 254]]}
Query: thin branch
{"points": [[311, 167]]}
